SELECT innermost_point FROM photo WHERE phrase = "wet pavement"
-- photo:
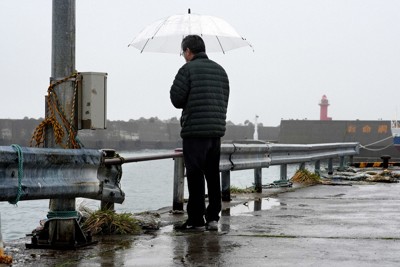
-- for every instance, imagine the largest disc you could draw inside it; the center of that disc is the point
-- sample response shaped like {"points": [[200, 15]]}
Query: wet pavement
{"points": [[357, 224]]}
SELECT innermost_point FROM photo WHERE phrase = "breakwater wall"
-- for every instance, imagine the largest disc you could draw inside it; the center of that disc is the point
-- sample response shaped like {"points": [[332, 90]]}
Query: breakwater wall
{"points": [[129, 135], [374, 136]]}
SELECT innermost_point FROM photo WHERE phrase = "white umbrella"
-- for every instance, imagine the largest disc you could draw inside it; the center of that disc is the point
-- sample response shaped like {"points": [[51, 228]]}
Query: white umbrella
{"points": [[165, 35]]}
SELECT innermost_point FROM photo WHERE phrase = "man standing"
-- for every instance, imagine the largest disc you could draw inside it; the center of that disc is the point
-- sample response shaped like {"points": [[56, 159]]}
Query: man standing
{"points": [[201, 90]]}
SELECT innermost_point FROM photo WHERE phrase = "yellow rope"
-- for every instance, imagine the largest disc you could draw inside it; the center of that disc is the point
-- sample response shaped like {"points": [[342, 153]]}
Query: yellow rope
{"points": [[54, 108]]}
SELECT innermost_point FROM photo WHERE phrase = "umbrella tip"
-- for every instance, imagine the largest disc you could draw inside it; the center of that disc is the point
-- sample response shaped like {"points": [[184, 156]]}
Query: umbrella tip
{"points": [[188, 10]]}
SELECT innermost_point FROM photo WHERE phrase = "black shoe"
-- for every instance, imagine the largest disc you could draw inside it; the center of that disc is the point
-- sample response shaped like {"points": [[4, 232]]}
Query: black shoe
{"points": [[190, 228]]}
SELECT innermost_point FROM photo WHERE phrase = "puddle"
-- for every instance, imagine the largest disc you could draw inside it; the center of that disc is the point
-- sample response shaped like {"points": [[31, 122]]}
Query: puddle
{"points": [[251, 206]]}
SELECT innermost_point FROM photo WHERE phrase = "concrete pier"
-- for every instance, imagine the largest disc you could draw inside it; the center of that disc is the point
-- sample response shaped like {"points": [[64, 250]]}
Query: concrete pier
{"points": [[356, 224]]}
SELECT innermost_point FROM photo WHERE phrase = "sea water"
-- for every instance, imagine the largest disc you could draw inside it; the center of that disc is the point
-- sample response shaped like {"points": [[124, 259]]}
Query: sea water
{"points": [[148, 185]]}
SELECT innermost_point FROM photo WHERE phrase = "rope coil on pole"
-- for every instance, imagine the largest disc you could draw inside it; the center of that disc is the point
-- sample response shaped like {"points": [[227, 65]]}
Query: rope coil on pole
{"points": [[18, 149], [54, 109]]}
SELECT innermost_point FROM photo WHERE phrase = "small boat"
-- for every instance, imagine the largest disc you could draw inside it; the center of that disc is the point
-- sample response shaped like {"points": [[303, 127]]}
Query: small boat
{"points": [[396, 133]]}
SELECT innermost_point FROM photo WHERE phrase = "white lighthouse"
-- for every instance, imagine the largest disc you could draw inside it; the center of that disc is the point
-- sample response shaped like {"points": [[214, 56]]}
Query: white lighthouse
{"points": [[255, 136]]}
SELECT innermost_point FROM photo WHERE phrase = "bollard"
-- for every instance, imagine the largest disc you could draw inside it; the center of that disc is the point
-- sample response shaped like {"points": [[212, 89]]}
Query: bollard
{"points": [[385, 161]]}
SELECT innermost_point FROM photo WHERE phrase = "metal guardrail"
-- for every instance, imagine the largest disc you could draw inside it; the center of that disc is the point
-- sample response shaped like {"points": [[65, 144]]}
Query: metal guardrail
{"points": [[40, 173], [69, 173], [57, 173], [293, 153], [258, 155], [285, 154], [242, 156]]}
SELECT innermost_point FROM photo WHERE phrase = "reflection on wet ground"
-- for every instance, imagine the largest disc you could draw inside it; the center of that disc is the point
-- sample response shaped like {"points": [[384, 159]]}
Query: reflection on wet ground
{"points": [[314, 226], [247, 208], [196, 250]]}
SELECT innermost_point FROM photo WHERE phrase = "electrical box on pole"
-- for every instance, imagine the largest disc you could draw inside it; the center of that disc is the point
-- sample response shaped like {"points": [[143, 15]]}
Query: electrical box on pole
{"points": [[92, 100]]}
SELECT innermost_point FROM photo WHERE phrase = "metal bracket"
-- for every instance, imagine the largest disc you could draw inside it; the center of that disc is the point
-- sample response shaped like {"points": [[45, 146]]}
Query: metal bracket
{"points": [[41, 239]]}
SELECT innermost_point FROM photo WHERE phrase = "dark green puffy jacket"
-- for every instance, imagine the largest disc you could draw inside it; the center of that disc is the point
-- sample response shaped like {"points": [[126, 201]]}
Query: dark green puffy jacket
{"points": [[201, 89]]}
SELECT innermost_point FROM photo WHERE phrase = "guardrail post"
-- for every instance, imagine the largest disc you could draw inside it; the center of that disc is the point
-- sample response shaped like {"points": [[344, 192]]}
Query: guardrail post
{"points": [[302, 166], [330, 166], [258, 180], [351, 159], [317, 168], [341, 163], [283, 172], [179, 183], [226, 185]]}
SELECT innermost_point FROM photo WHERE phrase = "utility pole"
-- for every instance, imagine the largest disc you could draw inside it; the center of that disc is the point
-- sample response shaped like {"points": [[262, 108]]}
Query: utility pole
{"points": [[62, 66]]}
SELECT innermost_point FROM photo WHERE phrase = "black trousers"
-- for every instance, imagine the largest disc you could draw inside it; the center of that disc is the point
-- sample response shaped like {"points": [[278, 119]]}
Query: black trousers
{"points": [[201, 156]]}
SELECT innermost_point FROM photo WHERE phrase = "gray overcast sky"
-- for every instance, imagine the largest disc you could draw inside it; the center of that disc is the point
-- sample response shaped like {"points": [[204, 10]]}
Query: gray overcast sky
{"points": [[346, 49]]}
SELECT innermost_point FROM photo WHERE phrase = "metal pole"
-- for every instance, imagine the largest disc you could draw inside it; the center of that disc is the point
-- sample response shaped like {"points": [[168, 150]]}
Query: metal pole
{"points": [[257, 204], [341, 163], [226, 186], [62, 65], [317, 168], [351, 159], [330, 166], [283, 172], [119, 160], [258, 180], [302, 166]]}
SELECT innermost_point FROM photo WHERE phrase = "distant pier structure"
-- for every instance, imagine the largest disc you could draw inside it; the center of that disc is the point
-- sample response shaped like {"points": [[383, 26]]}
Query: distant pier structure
{"points": [[323, 115]]}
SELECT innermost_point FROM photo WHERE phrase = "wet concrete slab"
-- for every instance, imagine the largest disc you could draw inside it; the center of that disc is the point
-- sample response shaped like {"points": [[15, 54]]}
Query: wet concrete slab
{"points": [[357, 225]]}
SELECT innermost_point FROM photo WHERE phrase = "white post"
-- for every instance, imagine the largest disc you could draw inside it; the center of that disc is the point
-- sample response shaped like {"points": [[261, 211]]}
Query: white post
{"points": [[255, 136]]}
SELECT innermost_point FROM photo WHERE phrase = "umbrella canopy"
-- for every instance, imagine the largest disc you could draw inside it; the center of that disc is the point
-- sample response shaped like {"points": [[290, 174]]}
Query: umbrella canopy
{"points": [[165, 35]]}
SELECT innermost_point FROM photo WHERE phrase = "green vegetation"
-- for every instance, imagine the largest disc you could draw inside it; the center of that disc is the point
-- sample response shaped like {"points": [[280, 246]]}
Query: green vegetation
{"points": [[109, 222]]}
